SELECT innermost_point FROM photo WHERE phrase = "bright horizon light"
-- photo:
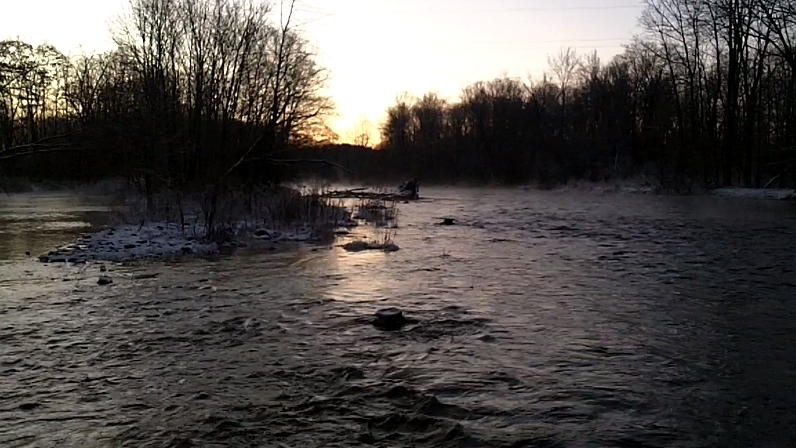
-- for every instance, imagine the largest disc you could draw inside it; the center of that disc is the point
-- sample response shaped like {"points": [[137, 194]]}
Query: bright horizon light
{"points": [[377, 50]]}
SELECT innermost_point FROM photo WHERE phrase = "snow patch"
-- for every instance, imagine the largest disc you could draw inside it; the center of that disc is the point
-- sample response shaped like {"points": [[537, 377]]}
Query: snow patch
{"points": [[164, 240], [756, 193], [132, 242]]}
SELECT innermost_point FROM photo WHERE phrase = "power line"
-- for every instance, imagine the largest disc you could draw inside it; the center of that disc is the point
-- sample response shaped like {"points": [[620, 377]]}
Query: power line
{"points": [[322, 14], [568, 8], [555, 41], [553, 9]]}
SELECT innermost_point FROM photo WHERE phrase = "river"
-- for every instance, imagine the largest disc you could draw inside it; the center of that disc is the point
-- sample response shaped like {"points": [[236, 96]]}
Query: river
{"points": [[543, 318]]}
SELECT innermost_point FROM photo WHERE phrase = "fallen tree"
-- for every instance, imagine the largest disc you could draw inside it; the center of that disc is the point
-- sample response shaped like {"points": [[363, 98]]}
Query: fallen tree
{"points": [[57, 143]]}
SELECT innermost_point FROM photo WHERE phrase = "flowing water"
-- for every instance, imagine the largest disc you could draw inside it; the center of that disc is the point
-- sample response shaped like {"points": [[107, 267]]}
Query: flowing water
{"points": [[541, 319]]}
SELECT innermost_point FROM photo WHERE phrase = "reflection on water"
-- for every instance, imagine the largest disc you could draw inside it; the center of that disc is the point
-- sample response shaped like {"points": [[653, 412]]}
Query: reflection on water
{"points": [[39, 222], [543, 319]]}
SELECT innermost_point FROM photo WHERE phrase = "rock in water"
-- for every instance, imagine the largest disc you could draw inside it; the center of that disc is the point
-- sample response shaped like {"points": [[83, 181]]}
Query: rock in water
{"points": [[389, 319], [262, 233], [356, 246], [359, 246], [29, 406], [104, 281], [409, 189]]}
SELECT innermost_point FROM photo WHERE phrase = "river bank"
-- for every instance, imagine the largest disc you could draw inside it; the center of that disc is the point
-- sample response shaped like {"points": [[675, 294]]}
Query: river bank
{"points": [[174, 224]]}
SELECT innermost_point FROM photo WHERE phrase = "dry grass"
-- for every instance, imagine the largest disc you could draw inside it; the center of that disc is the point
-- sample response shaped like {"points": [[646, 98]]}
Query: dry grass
{"points": [[379, 212], [384, 243], [220, 214]]}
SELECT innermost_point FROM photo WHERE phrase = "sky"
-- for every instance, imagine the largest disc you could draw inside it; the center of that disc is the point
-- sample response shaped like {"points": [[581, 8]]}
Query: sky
{"points": [[377, 50]]}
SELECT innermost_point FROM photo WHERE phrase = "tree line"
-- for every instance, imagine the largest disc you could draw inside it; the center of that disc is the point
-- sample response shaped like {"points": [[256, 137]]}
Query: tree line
{"points": [[197, 91], [194, 91], [706, 95]]}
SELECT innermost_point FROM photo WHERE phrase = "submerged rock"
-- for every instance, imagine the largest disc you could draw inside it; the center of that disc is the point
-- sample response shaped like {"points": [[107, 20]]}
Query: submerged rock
{"points": [[389, 319], [56, 257], [356, 246], [359, 246], [104, 281]]}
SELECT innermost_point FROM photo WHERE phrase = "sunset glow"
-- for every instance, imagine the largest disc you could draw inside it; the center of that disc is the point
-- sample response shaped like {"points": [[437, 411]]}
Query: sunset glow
{"points": [[376, 50]]}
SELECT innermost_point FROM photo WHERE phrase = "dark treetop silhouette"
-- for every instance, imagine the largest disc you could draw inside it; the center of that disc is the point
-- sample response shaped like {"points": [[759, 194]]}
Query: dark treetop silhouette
{"points": [[705, 96]]}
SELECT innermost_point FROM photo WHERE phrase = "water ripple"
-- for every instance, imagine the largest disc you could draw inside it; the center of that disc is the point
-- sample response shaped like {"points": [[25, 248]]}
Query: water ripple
{"points": [[540, 319]]}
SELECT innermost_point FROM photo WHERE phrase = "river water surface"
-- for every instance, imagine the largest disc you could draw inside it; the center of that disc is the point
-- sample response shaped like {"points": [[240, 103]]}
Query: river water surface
{"points": [[542, 319]]}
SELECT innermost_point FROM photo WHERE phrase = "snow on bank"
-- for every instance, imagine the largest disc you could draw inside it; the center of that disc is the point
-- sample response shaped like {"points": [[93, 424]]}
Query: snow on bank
{"points": [[757, 193], [160, 240], [635, 185], [132, 242]]}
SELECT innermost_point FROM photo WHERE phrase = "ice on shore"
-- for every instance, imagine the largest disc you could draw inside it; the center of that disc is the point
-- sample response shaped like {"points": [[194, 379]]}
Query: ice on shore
{"points": [[756, 193], [132, 242]]}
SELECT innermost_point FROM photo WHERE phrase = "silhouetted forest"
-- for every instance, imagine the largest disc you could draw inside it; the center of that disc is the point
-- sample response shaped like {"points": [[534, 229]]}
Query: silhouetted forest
{"points": [[196, 90], [705, 96]]}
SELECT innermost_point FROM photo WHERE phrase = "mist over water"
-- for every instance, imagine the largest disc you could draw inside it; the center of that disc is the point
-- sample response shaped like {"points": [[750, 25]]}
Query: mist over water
{"points": [[39, 222], [559, 318]]}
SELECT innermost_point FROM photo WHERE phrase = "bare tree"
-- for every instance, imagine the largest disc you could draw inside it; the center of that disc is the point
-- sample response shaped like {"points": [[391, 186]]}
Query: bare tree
{"points": [[362, 133], [564, 67]]}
